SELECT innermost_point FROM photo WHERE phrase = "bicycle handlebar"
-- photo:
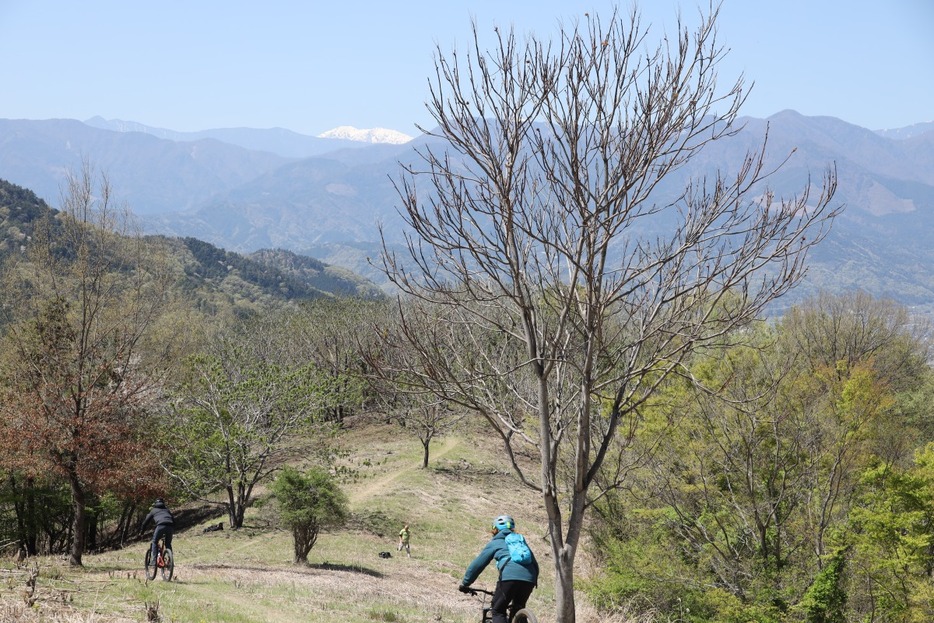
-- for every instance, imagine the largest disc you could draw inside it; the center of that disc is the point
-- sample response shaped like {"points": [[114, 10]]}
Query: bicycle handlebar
{"points": [[475, 591]]}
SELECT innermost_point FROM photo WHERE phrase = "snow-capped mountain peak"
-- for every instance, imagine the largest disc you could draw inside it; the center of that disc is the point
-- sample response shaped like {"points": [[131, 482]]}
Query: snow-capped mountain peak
{"points": [[372, 135]]}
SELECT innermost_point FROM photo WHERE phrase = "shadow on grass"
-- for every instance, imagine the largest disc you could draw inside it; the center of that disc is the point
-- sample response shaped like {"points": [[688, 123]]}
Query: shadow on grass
{"points": [[328, 566], [324, 566], [193, 515]]}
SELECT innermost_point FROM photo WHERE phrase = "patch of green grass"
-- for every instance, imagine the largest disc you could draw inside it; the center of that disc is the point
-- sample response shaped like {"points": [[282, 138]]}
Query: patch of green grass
{"points": [[389, 616]]}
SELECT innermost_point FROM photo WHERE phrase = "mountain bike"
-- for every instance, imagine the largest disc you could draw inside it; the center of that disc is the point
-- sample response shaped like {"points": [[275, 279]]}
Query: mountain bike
{"points": [[165, 561], [522, 616]]}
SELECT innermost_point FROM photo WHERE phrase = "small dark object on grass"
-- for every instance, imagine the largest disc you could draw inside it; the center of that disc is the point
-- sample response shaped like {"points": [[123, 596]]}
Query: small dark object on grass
{"points": [[215, 527], [385, 555]]}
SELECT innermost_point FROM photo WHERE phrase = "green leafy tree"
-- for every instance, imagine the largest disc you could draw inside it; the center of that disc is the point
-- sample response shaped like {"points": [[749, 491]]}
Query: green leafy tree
{"points": [[859, 361], [832, 334], [308, 503], [825, 599], [757, 482], [892, 541], [241, 411]]}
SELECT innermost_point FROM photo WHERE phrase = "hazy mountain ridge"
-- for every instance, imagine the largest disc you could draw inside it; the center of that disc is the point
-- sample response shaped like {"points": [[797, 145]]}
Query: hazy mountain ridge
{"points": [[278, 141], [153, 175], [908, 132], [206, 270], [330, 206]]}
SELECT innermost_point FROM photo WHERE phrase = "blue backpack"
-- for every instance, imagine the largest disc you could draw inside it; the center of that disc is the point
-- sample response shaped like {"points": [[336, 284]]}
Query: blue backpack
{"points": [[518, 549]]}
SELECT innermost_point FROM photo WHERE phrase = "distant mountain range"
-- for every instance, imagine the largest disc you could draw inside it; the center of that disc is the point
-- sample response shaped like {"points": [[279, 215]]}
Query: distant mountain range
{"points": [[246, 190], [278, 141]]}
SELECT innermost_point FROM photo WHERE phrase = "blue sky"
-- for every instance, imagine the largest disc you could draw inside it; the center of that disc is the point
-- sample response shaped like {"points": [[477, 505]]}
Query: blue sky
{"points": [[309, 65]]}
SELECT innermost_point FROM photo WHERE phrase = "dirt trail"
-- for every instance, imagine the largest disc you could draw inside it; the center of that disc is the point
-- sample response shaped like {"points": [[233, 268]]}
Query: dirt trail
{"points": [[381, 484]]}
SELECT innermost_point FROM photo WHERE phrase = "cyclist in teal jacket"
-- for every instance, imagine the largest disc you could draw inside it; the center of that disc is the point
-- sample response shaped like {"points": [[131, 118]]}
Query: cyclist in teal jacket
{"points": [[516, 580]]}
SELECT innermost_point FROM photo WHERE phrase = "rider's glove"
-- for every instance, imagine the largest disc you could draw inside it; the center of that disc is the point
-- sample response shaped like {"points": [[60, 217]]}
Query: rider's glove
{"points": [[464, 589]]}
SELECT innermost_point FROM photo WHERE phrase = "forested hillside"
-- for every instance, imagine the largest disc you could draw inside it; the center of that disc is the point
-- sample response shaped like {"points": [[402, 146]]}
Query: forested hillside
{"points": [[20, 210], [212, 278]]}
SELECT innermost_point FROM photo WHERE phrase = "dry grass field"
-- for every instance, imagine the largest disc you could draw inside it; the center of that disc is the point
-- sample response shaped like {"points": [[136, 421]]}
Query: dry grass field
{"points": [[247, 576]]}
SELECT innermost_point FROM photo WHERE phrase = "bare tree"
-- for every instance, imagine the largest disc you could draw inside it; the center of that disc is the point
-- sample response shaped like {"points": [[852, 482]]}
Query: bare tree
{"points": [[401, 392], [565, 282], [332, 333], [427, 418]]}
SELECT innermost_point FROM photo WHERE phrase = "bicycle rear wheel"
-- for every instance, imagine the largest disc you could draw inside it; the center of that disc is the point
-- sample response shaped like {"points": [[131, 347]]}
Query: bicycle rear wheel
{"points": [[168, 565], [524, 616], [149, 564]]}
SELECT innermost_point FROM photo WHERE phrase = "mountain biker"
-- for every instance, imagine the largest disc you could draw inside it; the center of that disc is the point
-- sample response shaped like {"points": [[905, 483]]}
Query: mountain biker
{"points": [[516, 580], [165, 525]]}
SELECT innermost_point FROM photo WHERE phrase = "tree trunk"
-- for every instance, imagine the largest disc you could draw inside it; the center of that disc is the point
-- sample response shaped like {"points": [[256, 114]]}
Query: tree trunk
{"points": [[232, 509], [79, 529], [300, 538], [24, 505], [126, 517], [92, 530], [564, 585], [425, 443], [564, 553]]}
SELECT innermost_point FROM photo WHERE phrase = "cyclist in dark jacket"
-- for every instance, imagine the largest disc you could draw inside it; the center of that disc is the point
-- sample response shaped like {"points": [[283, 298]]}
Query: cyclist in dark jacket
{"points": [[165, 525], [516, 580]]}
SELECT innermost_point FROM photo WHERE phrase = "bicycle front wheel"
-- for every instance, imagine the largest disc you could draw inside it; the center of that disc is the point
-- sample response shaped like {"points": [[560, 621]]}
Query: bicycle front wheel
{"points": [[168, 565], [149, 565], [524, 616]]}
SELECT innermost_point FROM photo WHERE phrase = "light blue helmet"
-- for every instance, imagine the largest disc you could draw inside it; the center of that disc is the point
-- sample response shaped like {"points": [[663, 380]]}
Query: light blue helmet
{"points": [[504, 522]]}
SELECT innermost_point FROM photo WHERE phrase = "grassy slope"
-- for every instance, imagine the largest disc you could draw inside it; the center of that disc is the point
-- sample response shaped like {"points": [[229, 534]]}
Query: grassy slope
{"points": [[247, 576]]}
